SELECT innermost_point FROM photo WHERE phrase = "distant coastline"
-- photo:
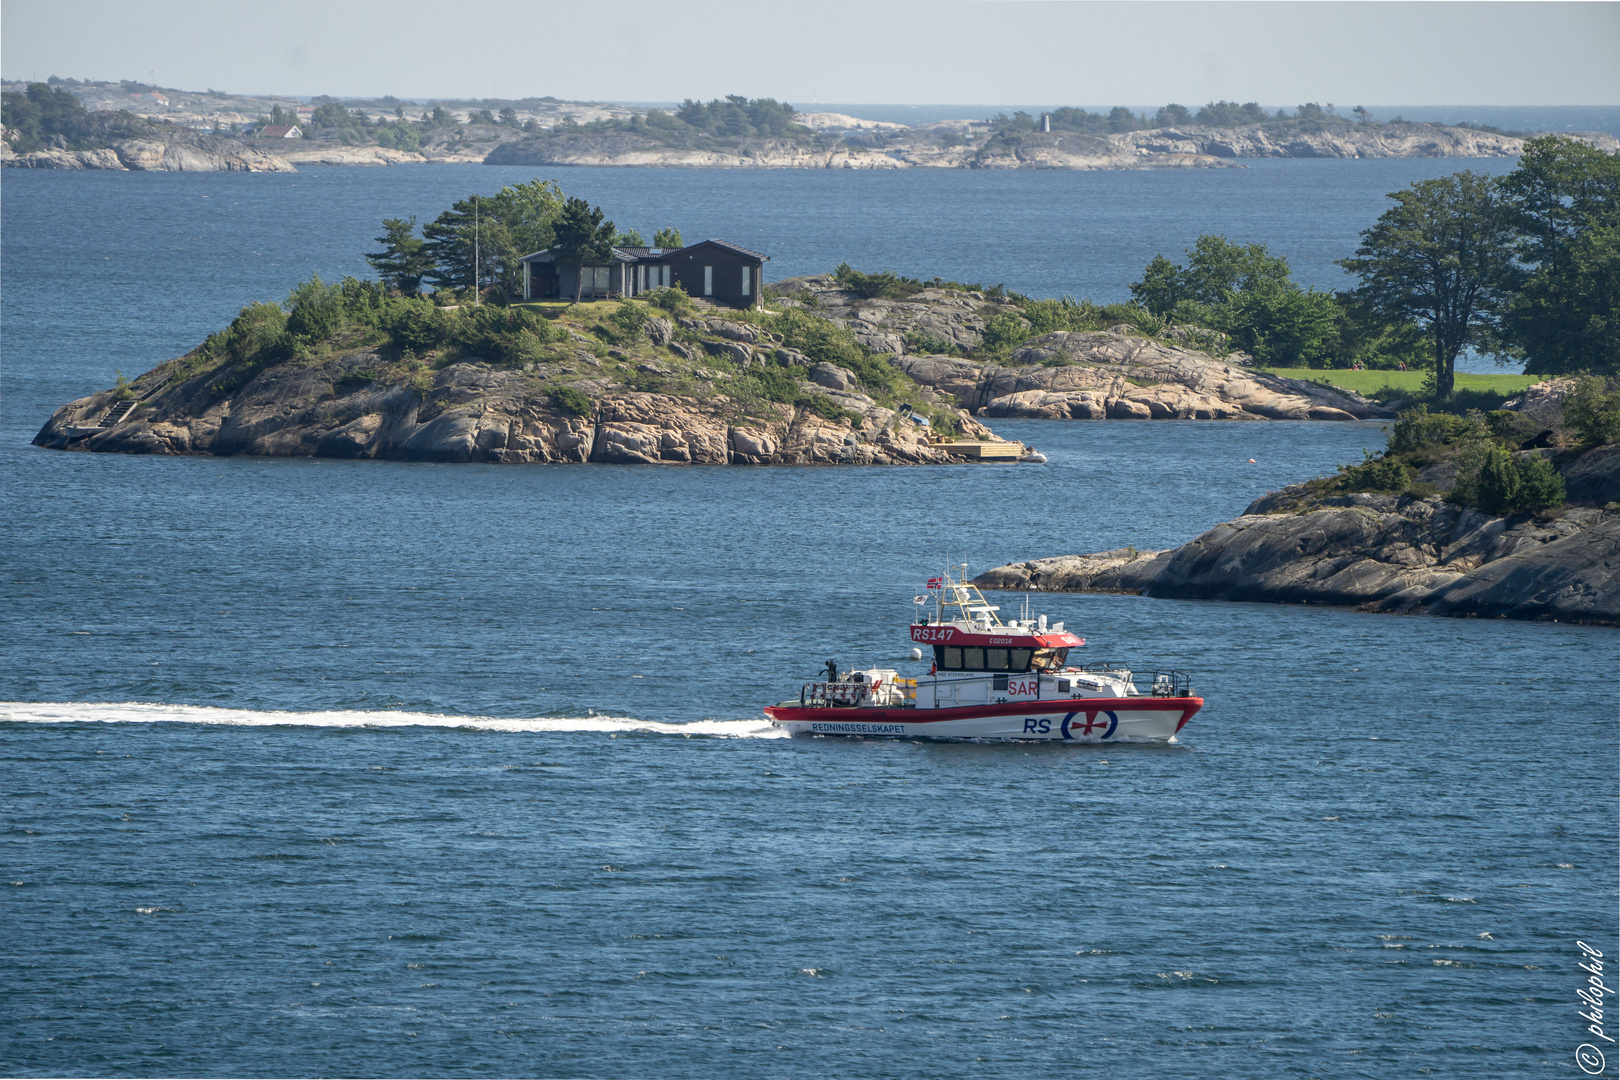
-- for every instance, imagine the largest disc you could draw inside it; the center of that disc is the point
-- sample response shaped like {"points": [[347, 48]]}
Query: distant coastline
{"points": [[68, 124]]}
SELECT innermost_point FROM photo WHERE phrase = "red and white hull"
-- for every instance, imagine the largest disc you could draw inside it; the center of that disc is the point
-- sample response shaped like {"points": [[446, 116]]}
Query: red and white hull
{"points": [[1128, 719]]}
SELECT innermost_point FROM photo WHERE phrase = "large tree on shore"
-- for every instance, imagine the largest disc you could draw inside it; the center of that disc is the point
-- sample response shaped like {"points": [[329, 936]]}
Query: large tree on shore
{"points": [[403, 261], [1565, 203], [499, 229], [1443, 256], [583, 239]]}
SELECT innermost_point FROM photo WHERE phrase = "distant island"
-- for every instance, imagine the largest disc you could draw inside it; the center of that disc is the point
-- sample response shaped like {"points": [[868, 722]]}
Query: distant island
{"points": [[69, 124]]}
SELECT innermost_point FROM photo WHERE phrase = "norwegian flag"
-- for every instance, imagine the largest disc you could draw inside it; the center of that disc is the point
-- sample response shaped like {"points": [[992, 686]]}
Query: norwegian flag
{"points": [[936, 582]]}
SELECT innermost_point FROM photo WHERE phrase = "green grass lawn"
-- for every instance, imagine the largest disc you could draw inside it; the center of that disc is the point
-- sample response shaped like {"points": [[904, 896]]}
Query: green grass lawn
{"points": [[1366, 382]]}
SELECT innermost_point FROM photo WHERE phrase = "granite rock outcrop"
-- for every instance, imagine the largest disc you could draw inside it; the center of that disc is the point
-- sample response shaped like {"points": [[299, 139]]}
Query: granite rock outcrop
{"points": [[1114, 374], [1381, 553], [475, 411], [139, 146]]}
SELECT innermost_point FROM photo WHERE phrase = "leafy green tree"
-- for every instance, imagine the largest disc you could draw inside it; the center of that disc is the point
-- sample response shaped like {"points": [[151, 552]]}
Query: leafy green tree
{"points": [[1503, 484], [1231, 114], [315, 310], [1592, 410], [1172, 116], [1216, 269], [667, 238], [38, 113], [628, 238], [1122, 119], [1280, 324], [529, 214], [400, 135], [403, 261], [1442, 256], [583, 239], [1564, 199], [738, 116], [331, 114], [509, 117], [1161, 287], [498, 229], [1002, 332], [481, 116]]}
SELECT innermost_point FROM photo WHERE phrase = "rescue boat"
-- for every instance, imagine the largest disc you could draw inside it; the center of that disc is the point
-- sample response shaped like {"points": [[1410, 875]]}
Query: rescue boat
{"points": [[991, 679]]}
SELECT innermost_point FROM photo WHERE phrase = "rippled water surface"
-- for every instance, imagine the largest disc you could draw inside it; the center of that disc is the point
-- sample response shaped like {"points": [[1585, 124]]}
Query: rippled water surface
{"points": [[375, 768]]}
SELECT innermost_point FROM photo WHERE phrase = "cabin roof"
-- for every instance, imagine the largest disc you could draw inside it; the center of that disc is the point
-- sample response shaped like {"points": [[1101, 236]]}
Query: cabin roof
{"points": [[652, 254], [735, 248]]}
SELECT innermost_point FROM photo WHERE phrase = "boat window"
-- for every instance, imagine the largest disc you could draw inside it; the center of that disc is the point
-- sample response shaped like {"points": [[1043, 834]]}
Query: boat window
{"points": [[1050, 659], [1063, 686], [952, 661], [1020, 660], [995, 659], [999, 683], [973, 659]]}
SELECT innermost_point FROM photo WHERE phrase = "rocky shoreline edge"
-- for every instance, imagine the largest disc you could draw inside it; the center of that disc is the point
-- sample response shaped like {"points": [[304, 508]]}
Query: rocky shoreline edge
{"points": [[1382, 553]]}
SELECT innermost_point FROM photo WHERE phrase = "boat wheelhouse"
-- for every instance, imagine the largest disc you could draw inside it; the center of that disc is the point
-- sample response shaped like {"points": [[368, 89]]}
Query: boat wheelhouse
{"points": [[992, 679]]}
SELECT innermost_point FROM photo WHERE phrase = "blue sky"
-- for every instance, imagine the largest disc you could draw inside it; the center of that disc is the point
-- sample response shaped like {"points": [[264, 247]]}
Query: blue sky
{"points": [[965, 52]]}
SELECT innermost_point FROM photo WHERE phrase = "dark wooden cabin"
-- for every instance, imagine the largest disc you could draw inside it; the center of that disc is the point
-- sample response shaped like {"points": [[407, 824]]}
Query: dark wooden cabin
{"points": [[712, 270]]}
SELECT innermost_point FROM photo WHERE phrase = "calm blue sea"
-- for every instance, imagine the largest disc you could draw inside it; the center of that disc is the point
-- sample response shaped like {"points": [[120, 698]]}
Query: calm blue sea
{"points": [[371, 768]]}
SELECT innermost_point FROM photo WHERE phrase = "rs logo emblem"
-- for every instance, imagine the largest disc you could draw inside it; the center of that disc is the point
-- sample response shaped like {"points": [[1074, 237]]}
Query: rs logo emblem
{"points": [[1092, 725]]}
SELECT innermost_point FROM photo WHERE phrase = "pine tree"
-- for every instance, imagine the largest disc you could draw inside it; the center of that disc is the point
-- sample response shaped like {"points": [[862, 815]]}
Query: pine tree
{"points": [[403, 261], [583, 239]]}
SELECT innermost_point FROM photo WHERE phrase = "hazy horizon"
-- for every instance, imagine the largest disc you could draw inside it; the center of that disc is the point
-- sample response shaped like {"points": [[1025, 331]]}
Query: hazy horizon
{"points": [[907, 53]]}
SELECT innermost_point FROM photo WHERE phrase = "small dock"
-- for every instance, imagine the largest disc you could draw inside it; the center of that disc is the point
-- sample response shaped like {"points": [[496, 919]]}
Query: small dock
{"points": [[984, 451]]}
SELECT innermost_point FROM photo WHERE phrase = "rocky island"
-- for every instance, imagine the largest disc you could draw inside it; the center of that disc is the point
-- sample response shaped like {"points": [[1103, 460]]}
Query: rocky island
{"points": [[821, 374], [601, 383], [1453, 520]]}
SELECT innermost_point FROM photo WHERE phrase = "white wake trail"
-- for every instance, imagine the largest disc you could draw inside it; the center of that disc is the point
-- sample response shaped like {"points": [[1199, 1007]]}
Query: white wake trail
{"points": [[76, 712]]}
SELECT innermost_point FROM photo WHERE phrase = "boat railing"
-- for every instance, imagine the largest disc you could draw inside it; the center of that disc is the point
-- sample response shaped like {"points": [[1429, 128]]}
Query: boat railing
{"points": [[890, 694], [1177, 684], [1109, 668], [1163, 683]]}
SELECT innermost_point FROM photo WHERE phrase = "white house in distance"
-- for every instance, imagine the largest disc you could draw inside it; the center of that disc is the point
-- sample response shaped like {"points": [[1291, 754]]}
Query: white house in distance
{"points": [[281, 131]]}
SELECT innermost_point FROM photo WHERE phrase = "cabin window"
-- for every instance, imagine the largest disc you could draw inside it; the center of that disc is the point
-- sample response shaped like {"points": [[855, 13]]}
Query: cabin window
{"points": [[708, 281], [999, 683], [748, 281], [1050, 659], [663, 272], [952, 658], [1063, 686]]}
